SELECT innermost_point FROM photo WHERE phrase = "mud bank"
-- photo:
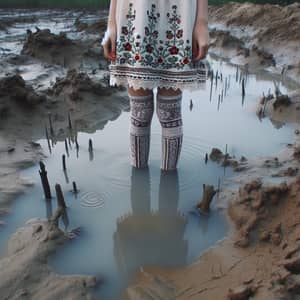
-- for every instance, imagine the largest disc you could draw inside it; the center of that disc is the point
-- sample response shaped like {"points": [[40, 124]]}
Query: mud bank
{"points": [[24, 270], [259, 36]]}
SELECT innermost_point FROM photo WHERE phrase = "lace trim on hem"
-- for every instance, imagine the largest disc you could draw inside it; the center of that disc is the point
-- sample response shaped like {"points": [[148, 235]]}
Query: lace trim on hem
{"points": [[137, 83]]}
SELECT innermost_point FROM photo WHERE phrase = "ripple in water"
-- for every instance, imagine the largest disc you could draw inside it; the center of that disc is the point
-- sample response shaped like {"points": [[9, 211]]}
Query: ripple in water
{"points": [[92, 199]]}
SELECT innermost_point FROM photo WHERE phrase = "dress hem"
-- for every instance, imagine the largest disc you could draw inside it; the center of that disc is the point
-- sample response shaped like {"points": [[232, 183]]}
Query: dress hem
{"points": [[137, 83]]}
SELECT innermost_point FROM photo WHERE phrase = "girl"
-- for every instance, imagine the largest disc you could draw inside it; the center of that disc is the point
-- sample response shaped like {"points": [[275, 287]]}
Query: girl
{"points": [[156, 44]]}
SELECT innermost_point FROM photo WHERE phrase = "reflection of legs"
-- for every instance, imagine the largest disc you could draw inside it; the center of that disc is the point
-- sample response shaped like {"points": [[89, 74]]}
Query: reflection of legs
{"points": [[142, 107], [169, 113], [140, 191], [168, 193]]}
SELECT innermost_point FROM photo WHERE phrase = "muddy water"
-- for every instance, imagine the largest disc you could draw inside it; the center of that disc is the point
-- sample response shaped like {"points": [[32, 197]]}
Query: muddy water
{"points": [[132, 218], [127, 218]]}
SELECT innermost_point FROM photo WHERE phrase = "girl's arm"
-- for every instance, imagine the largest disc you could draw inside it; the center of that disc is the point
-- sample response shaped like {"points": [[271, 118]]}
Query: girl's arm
{"points": [[112, 13], [110, 36], [202, 12], [200, 33]]}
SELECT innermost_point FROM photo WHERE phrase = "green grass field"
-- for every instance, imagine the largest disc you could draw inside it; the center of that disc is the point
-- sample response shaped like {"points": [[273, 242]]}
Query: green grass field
{"points": [[100, 3]]}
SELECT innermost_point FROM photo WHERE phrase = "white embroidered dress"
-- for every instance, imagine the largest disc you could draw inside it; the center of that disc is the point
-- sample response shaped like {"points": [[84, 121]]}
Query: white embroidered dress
{"points": [[154, 45]]}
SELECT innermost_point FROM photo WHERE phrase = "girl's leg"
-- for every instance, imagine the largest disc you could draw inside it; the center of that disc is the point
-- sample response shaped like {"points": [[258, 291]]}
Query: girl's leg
{"points": [[142, 108], [169, 113]]}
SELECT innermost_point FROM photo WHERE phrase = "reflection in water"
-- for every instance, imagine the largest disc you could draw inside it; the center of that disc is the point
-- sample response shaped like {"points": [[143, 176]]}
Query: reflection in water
{"points": [[147, 238]]}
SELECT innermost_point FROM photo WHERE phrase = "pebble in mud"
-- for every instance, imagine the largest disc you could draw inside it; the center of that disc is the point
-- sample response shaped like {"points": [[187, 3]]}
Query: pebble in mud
{"points": [[243, 292]]}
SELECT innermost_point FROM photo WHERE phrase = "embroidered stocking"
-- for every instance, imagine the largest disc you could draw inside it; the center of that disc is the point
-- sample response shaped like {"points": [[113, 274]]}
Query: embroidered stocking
{"points": [[142, 108], [169, 113]]}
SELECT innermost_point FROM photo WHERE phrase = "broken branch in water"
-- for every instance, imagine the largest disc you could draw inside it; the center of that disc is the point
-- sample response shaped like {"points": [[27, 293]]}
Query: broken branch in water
{"points": [[207, 196]]}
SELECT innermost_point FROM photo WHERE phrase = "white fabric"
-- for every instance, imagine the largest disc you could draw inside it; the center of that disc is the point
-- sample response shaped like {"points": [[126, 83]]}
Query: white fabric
{"points": [[160, 17]]}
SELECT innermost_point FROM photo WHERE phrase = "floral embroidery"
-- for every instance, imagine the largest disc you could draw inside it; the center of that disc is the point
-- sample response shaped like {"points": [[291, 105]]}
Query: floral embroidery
{"points": [[173, 52]]}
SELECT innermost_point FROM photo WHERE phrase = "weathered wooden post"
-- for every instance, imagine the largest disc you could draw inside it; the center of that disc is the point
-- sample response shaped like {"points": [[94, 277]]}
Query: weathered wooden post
{"points": [[51, 125], [48, 140], [60, 197], [64, 162], [66, 147], [191, 104], [69, 121], [45, 182], [75, 190], [207, 197], [90, 145], [211, 84], [206, 158]]}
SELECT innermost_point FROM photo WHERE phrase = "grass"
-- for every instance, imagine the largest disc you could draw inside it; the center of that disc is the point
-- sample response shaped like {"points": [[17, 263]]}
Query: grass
{"points": [[101, 3]]}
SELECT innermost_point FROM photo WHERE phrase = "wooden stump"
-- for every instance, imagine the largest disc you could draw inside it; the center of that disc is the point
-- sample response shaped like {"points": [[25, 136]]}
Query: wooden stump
{"points": [[208, 194], [45, 182], [60, 197]]}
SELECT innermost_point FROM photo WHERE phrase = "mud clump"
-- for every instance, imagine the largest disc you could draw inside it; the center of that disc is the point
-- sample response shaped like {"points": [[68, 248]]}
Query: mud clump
{"points": [[290, 171], [224, 39], [44, 40], [76, 83], [14, 87], [96, 28], [273, 20], [281, 100], [243, 292], [265, 57], [56, 49], [226, 160], [249, 210]]}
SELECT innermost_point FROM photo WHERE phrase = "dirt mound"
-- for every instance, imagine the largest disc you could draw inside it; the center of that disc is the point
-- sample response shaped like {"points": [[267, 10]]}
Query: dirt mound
{"points": [[44, 41], [14, 87], [273, 21], [261, 36], [25, 273], [96, 28], [280, 108], [75, 84]]}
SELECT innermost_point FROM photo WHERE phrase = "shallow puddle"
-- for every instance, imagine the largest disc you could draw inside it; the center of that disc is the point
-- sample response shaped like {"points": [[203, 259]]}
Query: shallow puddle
{"points": [[131, 218], [126, 218]]}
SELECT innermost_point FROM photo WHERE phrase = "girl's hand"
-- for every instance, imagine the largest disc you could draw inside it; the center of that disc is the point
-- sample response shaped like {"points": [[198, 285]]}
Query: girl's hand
{"points": [[200, 41], [109, 42]]}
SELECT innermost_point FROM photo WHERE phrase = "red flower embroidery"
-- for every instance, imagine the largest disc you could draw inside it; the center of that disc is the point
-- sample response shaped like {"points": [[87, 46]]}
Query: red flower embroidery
{"points": [[186, 60], [173, 50], [160, 60], [137, 57], [127, 47]]}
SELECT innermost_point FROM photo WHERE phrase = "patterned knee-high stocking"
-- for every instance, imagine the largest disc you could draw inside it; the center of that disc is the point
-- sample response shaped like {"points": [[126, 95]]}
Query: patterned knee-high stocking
{"points": [[142, 108], [169, 113]]}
